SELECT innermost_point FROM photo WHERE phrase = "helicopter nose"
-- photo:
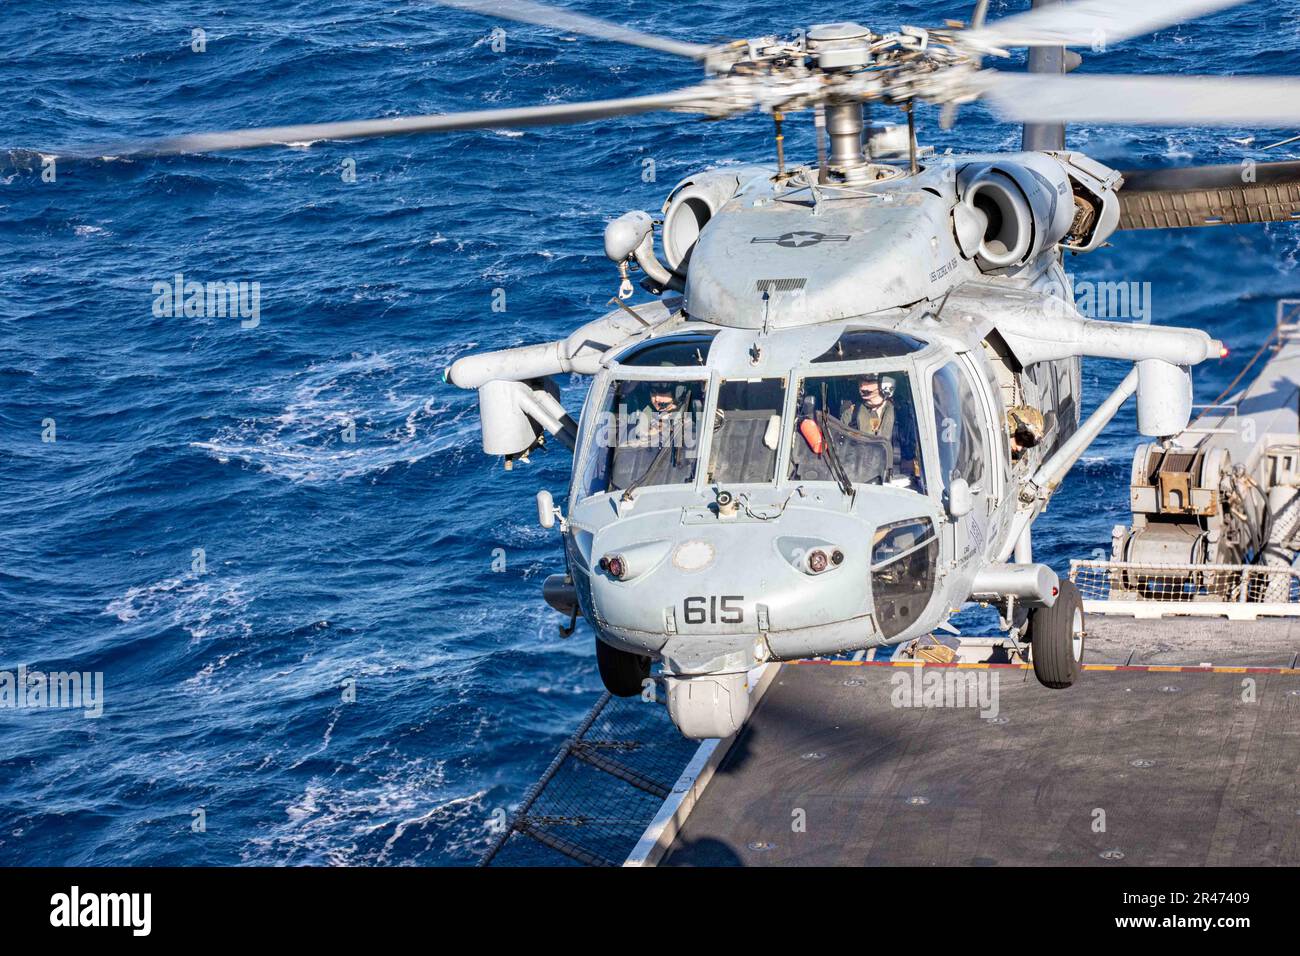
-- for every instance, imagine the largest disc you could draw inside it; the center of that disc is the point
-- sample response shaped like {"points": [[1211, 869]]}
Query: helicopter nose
{"points": [[740, 584]]}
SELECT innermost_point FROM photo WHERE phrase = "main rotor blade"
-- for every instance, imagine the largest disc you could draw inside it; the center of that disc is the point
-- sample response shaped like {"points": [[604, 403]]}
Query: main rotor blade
{"points": [[1210, 195], [702, 97], [526, 11], [1094, 23], [1259, 102], [1228, 176]]}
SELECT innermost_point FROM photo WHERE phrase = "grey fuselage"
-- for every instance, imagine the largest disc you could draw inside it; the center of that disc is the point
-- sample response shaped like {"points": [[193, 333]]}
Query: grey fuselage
{"points": [[774, 282], [838, 422]]}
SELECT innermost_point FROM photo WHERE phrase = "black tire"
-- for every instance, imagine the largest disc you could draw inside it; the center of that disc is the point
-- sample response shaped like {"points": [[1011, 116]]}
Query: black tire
{"points": [[623, 673], [1058, 662]]}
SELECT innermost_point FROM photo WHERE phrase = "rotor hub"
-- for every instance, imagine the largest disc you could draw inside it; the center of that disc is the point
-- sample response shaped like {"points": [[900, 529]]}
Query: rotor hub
{"points": [[840, 46]]}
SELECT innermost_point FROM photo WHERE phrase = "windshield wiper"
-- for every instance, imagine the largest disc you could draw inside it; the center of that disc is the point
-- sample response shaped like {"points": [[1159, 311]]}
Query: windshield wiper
{"points": [[833, 460], [654, 462]]}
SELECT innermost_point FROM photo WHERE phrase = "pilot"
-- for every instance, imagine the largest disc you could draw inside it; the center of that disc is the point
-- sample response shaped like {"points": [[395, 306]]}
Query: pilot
{"points": [[655, 423], [873, 413], [1025, 426], [663, 400]]}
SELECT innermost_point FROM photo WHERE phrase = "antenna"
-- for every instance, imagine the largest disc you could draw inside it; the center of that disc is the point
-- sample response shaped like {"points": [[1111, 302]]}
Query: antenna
{"points": [[777, 117], [819, 121]]}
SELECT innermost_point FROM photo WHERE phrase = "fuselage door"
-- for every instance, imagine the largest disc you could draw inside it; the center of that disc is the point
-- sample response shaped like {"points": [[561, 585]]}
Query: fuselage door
{"points": [[965, 452]]}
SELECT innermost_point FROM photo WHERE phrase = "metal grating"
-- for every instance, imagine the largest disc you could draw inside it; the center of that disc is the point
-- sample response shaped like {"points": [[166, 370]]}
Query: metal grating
{"points": [[600, 792], [779, 285], [1186, 583]]}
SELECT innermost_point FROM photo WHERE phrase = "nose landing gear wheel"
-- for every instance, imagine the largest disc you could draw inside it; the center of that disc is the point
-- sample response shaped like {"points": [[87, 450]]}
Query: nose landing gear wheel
{"points": [[1056, 639], [623, 674]]}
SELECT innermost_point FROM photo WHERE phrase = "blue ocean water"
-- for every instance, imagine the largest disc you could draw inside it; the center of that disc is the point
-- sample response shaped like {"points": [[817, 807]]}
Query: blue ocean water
{"points": [[203, 531]]}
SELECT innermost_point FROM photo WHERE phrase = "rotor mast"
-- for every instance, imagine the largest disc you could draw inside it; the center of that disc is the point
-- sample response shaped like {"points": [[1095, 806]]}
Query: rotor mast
{"points": [[844, 125], [1045, 59]]}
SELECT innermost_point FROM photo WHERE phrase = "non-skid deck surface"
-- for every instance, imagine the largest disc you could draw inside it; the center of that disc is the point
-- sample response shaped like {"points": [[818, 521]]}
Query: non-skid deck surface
{"points": [[1177, 768]]}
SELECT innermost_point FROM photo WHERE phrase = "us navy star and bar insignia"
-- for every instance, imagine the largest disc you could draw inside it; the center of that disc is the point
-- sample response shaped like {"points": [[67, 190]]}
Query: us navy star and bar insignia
{"points": [[800, 240]]}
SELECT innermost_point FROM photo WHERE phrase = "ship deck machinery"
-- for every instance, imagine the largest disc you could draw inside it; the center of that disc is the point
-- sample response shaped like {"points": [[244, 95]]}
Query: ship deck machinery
{"points": [[1216, 510], [1178, 746]]}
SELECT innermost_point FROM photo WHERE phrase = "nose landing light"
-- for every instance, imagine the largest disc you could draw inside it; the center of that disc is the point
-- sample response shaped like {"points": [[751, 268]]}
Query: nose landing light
{"points": [[819, 560], [615, 565], [633, 560]]}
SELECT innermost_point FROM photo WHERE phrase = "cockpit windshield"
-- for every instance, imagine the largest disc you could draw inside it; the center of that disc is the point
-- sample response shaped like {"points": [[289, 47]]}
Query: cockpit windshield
{"points": [[646, 433], [857, 429], [746, 430]]}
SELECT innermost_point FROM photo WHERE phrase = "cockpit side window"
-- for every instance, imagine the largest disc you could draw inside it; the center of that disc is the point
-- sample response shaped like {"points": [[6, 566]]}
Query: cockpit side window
{"points": [[857, 345], [676, 350], [861, 425], [904, 556], [746, 430], [958, 427], [644, 433]]}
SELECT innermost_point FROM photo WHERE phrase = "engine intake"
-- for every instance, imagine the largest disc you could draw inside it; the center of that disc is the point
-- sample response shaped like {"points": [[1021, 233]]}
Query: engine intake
{"points": [[688, 210], [1010, 213]]}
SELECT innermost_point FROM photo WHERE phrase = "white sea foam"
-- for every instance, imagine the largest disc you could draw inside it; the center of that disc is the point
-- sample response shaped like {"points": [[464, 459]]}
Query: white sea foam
{"points": [[375, 399], [198, 604], [343, 826]]}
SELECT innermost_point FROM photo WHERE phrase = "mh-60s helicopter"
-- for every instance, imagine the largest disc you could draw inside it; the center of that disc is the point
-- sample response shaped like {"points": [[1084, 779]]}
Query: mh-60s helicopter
{"points": [[858, 383]]}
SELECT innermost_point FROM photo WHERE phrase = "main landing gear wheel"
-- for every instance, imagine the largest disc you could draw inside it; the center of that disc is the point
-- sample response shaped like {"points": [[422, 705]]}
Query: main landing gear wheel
{"points": [[1056, 639], [623, 673]]}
